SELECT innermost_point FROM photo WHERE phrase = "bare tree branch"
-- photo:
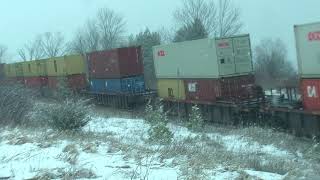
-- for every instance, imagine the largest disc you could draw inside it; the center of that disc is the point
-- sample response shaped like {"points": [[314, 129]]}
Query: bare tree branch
{"points": [[197, 9], [86, 39], [167, 35], [228, 19], [111, 28], [3, 53], [271, 64], [53, 44], [221, 19], [32, 50]]}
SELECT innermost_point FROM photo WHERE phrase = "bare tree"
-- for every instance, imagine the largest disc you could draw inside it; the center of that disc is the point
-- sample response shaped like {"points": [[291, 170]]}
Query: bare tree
{"points": [[272, 67], [3, 53], [92, 35], [228, 19], [78, 44], [111, 27], [221, 19], [32, 50], [167, 35], [86, 39], [53, 44]]}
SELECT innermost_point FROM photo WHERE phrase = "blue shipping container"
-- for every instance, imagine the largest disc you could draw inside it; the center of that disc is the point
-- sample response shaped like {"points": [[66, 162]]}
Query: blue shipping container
{"points": [[130, 85]]}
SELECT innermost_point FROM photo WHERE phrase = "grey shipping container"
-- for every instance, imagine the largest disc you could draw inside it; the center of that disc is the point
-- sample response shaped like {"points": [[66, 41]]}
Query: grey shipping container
{"points": [[308, 49], [204, 58]]}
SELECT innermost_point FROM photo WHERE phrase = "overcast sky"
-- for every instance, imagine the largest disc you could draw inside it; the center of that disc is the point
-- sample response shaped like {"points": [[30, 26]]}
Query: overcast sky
{"points": [[22, 20]]}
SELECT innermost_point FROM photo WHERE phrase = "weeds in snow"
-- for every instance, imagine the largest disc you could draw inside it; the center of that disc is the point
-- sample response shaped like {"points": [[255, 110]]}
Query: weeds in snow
{"points": [[15, 103]]}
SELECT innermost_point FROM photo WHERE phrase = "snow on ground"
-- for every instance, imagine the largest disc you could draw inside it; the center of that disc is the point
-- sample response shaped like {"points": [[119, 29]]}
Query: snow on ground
{"points": [[24, 160]]}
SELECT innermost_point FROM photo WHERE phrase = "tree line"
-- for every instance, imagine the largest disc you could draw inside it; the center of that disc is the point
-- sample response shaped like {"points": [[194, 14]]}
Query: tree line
{"points": [[193, 19]]}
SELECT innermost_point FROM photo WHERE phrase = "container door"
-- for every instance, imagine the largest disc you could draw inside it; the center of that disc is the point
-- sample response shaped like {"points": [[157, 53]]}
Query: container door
{"points": [[225, 57], [242, 52]]}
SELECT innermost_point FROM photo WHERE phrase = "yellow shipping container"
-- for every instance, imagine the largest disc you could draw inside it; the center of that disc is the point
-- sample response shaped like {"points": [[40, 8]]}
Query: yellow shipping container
{"points": [[10, 70], [171, 88], [30, 69], [56, 66], [19, 69], [75, 64], [41, 67]]}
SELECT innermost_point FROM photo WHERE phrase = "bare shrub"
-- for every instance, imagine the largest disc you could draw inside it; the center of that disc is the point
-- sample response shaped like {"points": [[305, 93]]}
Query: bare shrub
{"points": [[15, 103], [68, 115]]}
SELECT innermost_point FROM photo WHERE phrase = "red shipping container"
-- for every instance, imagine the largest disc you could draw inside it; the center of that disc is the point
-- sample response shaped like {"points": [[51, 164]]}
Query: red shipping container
{"points": [[226, 89], [35, 82], [52, 82], [116, 63], [77, 82], [310, 89]]}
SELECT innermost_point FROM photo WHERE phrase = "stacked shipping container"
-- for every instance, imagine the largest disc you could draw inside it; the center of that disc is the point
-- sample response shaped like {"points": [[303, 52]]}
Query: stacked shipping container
{"points": [[48, 72], [205, 70], [117, 71], [308, 55]]}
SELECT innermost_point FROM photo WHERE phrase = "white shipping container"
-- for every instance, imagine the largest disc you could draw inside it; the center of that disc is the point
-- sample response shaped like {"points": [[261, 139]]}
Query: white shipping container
{"points": [[308, 49], [204, 58]]}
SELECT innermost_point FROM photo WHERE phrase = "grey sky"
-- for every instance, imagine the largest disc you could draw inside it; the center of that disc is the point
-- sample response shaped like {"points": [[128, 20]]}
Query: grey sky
{"points": [[22, 20]]}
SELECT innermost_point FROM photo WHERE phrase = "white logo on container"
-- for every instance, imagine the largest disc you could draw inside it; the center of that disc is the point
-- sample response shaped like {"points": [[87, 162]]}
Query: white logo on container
{"points": [[106, 84], [192, 87], [312, 92]]}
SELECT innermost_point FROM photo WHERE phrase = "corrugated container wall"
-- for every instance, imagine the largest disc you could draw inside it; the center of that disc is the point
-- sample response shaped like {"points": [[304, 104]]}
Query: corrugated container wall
{"points": [[41, 67], [19, 69], [56, 66], [308, 49], [30, 69], [129, 85], [116, 63], [10, 70], [77, 81], [224, 89], [75, 64], [204, 58], [35, 82], [171, 89], [310, 89]]}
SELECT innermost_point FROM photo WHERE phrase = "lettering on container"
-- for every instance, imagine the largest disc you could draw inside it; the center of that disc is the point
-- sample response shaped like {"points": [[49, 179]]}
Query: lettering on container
{"points": [[314, 36], [192, 87], [161, 53], [312, 92]]}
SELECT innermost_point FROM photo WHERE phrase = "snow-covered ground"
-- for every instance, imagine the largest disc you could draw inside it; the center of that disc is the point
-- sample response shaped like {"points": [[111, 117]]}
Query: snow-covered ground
{"points": [[115, 148]]}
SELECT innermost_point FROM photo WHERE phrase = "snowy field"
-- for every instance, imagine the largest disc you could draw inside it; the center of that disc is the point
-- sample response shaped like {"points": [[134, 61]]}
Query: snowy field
{"points": [[117, 148]]}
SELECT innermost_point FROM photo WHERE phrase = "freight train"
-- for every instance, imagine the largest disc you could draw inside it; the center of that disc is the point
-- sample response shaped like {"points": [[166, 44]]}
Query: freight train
{"points": [[216, 74]]}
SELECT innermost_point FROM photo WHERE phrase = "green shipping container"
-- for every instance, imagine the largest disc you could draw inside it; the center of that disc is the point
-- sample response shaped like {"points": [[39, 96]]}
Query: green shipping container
{"points": [[75, 64], [171, 89], [56, 66]]}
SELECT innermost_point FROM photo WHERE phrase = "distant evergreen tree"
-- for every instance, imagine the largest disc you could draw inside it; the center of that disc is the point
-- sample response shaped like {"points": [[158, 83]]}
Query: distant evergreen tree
{"points": [[193, 31], [147, 40]]}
